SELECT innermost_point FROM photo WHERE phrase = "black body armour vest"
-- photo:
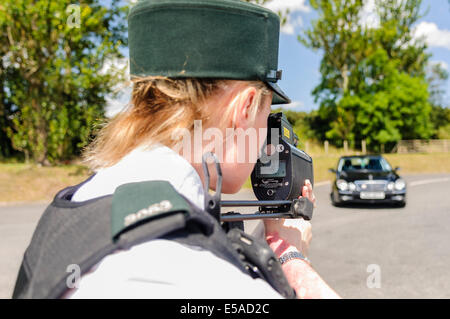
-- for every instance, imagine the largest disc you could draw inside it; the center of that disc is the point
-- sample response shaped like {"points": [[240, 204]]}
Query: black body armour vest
{"points": [[83, 233]]}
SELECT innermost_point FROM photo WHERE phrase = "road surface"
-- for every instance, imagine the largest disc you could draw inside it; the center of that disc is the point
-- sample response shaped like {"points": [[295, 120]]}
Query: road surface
{"points": [[361, 251]]}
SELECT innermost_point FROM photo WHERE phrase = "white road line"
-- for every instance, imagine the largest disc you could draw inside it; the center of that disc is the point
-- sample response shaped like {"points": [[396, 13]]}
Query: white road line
{"points": [[428, 181]]}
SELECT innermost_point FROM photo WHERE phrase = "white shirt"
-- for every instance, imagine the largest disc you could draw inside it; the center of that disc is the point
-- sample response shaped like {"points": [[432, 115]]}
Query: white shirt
{"points": [[161, 268], [160, 163]]}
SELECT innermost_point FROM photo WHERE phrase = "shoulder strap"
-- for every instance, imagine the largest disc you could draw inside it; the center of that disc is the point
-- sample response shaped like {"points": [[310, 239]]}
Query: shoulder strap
{"points": [[261, 261], [83, 233]]}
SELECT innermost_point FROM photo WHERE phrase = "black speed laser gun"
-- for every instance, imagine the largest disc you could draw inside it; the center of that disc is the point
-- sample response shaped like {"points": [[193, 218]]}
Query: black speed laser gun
{"points": [[277, 179]]}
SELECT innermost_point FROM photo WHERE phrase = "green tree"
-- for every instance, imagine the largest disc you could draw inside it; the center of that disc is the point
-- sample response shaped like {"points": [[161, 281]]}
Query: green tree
{"points": [[339, 34], [373, 83], [53, 72], [5, 143], [440, 113], [437, 76]]}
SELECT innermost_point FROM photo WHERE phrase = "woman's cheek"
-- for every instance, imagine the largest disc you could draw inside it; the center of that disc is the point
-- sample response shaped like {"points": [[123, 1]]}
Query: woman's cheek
{"points": [[235, 175]]}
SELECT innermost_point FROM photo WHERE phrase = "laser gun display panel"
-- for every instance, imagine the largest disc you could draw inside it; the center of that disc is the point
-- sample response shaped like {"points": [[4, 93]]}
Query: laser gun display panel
{"points": [[281, 171]]}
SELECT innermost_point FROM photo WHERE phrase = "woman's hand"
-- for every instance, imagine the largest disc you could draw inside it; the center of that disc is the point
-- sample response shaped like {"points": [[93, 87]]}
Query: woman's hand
{"points": [[284, 235], [307, 192]]}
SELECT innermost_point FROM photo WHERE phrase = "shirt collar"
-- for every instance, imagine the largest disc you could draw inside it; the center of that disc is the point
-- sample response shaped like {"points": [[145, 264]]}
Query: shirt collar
{"points": [[146, 164]]}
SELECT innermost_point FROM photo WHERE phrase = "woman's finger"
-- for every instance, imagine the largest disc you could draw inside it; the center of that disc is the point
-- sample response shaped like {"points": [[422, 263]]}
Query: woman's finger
{"points": [[307, 191]]}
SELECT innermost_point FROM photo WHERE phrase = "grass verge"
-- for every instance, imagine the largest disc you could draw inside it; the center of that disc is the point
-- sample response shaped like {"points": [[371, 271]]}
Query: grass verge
{"points": [[408, 163], [24, 182]]}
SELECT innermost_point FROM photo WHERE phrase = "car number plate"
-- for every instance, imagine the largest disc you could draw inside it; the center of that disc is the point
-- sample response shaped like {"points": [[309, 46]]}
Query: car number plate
{"points": [[372, 195]]}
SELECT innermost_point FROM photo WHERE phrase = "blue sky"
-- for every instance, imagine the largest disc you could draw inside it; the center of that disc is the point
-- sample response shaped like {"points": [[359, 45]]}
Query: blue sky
{"points": [[301, 65]]}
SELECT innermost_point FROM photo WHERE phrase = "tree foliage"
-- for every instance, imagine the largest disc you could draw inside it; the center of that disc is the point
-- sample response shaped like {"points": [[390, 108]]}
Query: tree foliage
{"points": [[373, 84], [52, 72], [440, 113]]}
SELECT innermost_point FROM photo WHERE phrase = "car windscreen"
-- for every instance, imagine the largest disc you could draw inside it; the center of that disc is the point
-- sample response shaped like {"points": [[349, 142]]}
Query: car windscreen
{"points": [[364, 163]]}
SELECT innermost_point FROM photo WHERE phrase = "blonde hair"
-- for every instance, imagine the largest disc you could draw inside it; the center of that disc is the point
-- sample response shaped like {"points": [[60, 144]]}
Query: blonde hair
{"points": [[158, 107]]}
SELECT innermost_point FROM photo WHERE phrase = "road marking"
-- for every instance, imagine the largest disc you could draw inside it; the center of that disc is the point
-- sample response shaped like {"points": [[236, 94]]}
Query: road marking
{"points": [[429, 181], [24, 203]]}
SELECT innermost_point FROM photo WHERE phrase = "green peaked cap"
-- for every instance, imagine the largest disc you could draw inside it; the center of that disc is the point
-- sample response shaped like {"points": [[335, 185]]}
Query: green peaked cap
{"points": [[221, 39]]}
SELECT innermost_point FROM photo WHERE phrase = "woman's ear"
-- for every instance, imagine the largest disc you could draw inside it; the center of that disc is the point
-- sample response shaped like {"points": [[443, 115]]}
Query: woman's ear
{"points": [[244, 107]]}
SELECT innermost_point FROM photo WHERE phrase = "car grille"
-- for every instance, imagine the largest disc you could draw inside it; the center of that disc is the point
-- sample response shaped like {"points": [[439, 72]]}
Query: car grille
{"points": [[371, 186]]}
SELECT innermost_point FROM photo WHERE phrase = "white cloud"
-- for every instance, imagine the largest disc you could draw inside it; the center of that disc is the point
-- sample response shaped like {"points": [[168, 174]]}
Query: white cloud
{"points": [[434, 36], [294, 105], [294, 20], [118, 103], [369, 16], [291, 24], [443, 64], [116, 65], [291, 5]]}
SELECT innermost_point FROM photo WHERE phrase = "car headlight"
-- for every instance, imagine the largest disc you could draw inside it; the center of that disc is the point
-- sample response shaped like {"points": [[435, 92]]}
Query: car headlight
{"points": [[390, 186], [352, 187], [342, 185], [400, 184]]}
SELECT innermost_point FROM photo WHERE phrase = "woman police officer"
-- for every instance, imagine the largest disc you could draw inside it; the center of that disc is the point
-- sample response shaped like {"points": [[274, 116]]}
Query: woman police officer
{"points": [[213, 61]]}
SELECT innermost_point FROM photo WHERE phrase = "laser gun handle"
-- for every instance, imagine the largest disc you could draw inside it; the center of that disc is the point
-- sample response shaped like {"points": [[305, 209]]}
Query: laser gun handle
{"points": [[261, 261], [303, 208]]}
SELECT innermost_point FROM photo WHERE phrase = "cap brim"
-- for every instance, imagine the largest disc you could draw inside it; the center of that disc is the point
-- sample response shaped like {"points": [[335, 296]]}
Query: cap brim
{"points": [[279, 97]]}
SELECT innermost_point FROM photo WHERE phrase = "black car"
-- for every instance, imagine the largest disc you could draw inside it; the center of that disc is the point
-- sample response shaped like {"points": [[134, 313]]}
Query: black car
{"points": [[367, 179]]}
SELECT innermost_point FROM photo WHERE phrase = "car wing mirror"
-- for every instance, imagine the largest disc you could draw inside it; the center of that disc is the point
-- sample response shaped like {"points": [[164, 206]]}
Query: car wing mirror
{"points": [[397, 169], [332, 170]]}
